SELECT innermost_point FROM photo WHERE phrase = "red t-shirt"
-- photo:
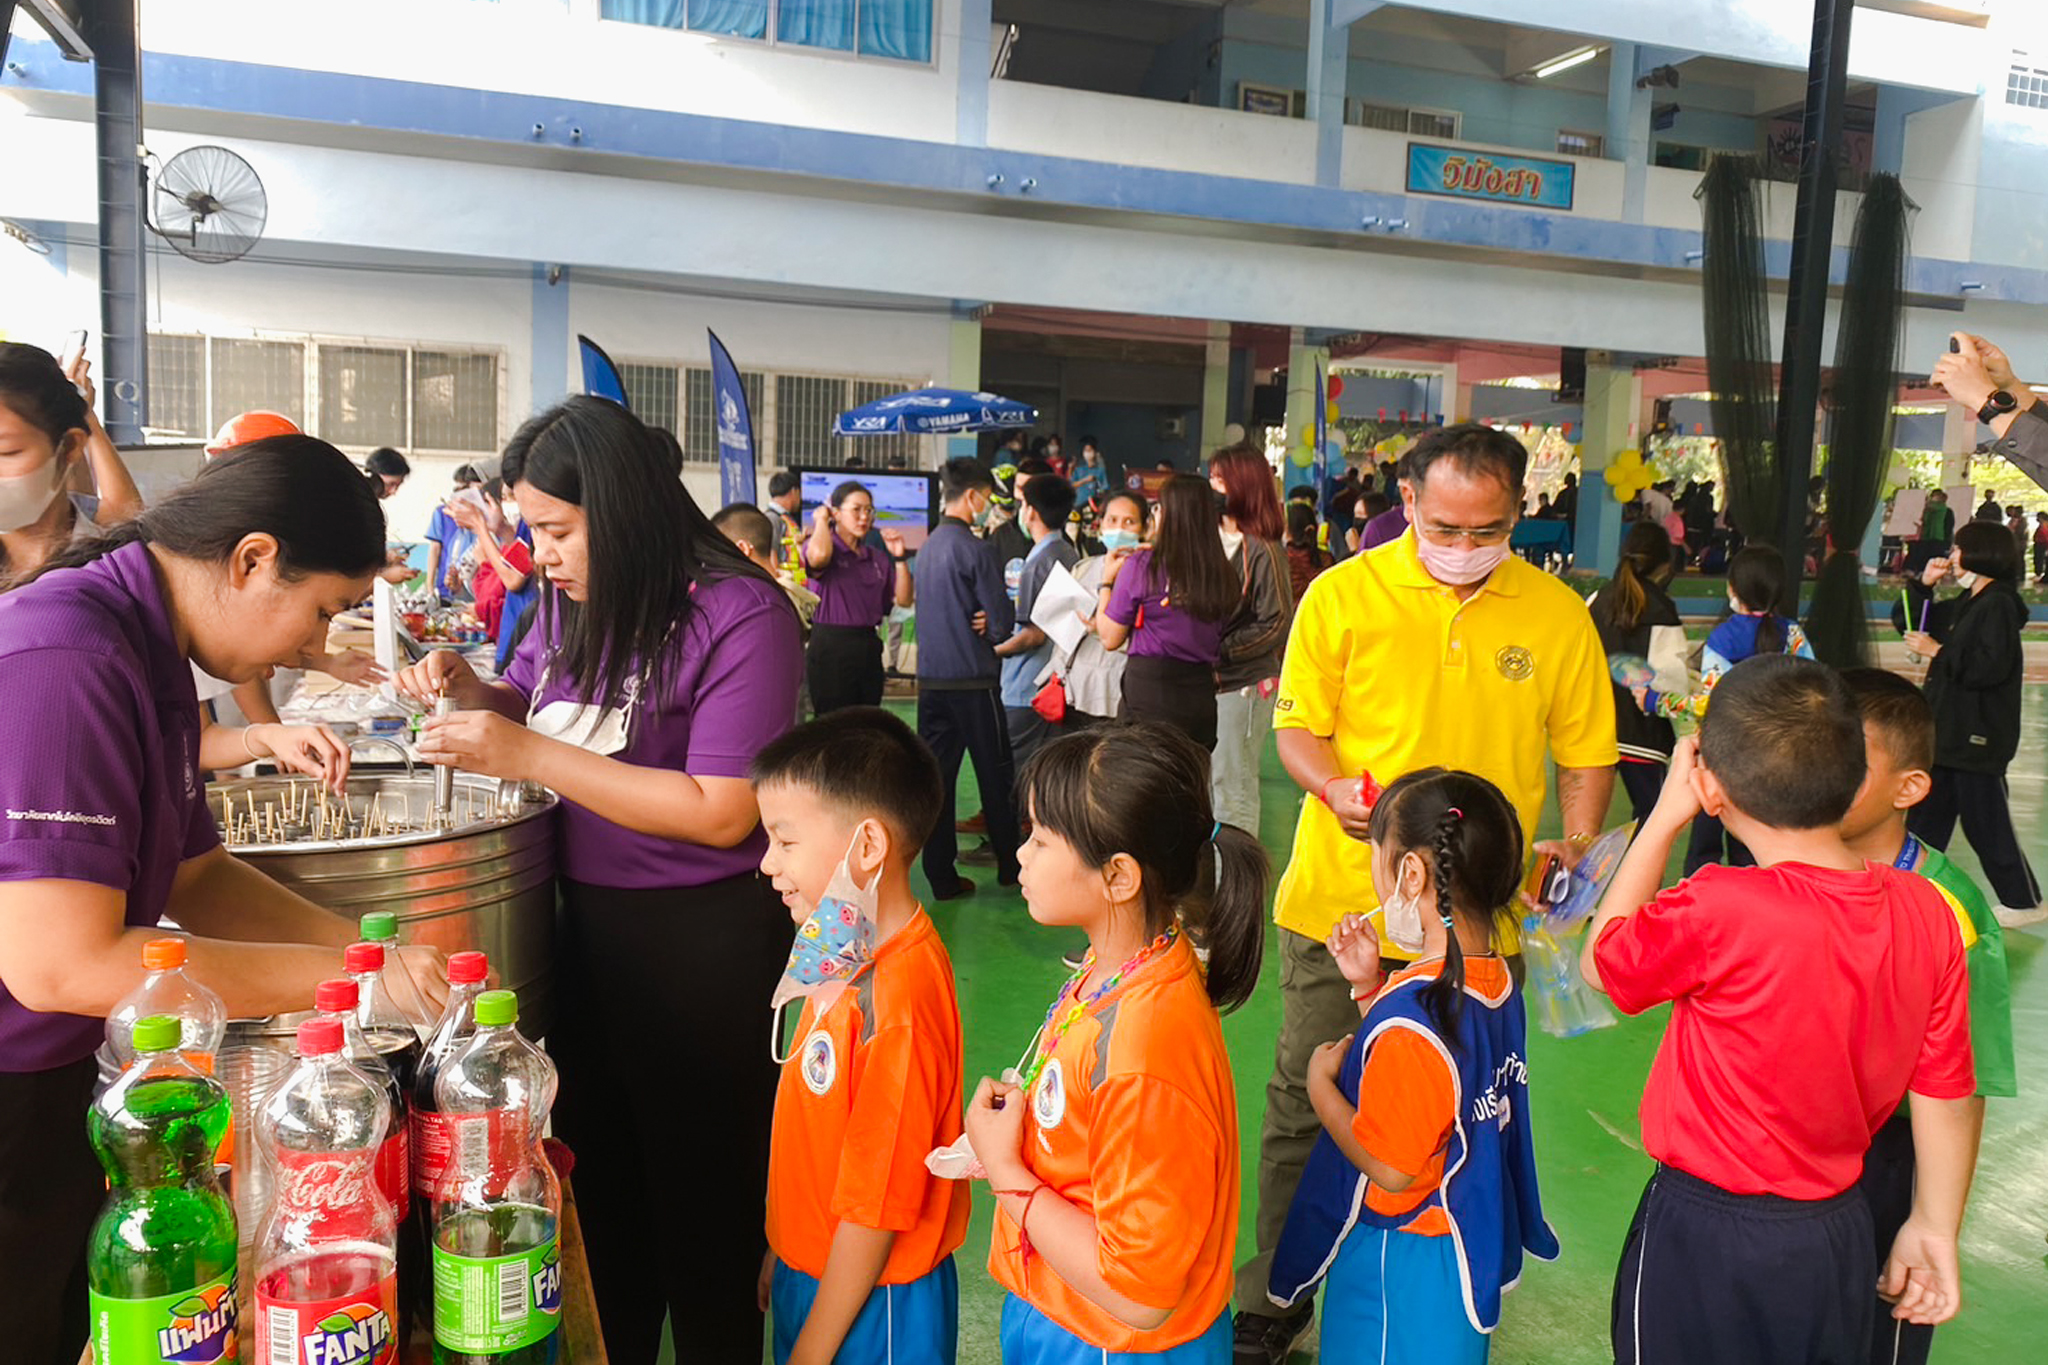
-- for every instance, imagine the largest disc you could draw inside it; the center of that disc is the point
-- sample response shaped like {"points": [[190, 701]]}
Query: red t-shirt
{"points": [[489, 589], [1806, 1003]]}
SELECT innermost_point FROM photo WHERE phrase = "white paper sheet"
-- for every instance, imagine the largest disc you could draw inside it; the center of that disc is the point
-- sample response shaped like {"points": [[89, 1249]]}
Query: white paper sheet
{"points": [[1063, 608]]}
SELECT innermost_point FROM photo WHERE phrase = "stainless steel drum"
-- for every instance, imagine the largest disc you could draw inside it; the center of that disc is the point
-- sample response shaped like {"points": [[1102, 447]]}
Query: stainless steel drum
{"points": [[484, 878]]}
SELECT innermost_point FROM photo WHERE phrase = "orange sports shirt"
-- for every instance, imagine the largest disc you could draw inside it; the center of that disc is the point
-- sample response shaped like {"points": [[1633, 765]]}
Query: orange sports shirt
{"points": [[1134, 1120], [874, 1085], [1411, 1100]]}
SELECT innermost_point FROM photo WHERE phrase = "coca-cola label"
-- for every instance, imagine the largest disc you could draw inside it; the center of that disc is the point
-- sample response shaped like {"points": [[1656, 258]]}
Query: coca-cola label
{"points": [[361, 1329], [316, 1182], [394, 1172], [451, 1151], [191, 1327]]}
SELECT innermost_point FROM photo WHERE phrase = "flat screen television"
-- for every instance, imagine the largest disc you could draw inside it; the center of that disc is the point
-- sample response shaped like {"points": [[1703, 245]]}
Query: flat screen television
{"points": [[905, 500]]}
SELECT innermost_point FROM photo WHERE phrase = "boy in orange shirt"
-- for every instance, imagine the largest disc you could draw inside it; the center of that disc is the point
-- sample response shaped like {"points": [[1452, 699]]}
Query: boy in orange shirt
{"points": [[860, 1235]]}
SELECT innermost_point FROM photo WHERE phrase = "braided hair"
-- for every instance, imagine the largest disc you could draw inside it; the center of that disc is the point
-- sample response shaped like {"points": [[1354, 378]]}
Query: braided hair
{"points": [[1474, 842]]}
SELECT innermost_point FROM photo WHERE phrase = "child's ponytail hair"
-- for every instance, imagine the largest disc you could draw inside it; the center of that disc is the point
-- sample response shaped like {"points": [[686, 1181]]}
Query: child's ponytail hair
{"points": [[1143, 790], [1757, 578], [1474, 841]]}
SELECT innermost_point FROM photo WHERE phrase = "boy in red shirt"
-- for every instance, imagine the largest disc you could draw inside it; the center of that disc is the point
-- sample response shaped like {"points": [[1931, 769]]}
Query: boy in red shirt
{"points": [[860, 1235], [1810, 994]]}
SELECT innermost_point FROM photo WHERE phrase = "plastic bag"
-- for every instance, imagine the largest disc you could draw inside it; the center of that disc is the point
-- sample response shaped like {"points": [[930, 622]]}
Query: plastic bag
{"points": [[1559, 1000]]}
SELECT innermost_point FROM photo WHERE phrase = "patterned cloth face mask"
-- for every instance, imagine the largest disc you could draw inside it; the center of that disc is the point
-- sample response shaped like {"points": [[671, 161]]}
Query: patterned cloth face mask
{"points": [[834, 944]]}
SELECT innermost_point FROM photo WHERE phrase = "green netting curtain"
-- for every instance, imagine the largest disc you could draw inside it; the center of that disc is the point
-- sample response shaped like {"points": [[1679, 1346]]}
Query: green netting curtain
{"points": [[901, 29]]}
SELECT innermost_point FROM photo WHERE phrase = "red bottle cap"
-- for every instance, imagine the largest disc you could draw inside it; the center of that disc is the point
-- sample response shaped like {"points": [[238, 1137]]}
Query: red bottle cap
{"points": [[335, 997], [467, 969], [363, 957], [162, 954], [319, 1037]]}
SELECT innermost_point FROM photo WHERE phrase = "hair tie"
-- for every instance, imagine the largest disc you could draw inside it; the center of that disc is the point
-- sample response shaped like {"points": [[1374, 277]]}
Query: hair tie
{"points": [[1447, 921], [1456, 814], [1215, 830]]}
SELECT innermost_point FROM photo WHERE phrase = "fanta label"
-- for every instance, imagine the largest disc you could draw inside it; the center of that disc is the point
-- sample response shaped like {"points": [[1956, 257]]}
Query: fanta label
{"points": [[492, 1305], [194, 1326], [361, 1329]]}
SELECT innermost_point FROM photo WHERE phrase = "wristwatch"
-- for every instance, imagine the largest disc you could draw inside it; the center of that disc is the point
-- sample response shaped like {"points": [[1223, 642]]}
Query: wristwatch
{"points": [[1997, 405]]}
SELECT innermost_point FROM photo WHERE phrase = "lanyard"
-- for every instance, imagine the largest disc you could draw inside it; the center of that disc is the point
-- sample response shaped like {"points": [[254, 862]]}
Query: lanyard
{"points": [[1909, 854]]}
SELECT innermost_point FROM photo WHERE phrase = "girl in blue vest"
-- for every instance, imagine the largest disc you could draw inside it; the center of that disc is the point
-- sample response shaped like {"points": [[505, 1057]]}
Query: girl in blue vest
{"points": [[1418, 1203]]}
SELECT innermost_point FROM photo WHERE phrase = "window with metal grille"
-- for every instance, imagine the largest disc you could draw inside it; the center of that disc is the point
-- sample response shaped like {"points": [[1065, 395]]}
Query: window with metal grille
{"points": [[877, 451], [1570, 143], [177, 385], [651, 391], [454, 401], [363, 395], [700, 416], [249, 376], [804, 408], [1396, 118], [2026, 84]]}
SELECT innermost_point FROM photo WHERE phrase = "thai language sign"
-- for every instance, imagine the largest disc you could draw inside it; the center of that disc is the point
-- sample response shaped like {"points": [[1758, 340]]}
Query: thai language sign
{"points": [[1466, 174]]}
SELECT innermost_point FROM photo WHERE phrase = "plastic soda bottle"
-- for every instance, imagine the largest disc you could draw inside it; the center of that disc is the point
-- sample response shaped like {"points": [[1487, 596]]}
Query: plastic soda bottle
{"points": [[167, 990], [497, 1263], [337, 1000], [433, 1145], [326, 1256], [160, 1265]]}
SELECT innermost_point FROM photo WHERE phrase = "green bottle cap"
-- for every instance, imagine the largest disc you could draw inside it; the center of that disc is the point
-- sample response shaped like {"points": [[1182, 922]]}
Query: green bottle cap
{"points": [[158, 1033], [379, 926], [496, 1008]]}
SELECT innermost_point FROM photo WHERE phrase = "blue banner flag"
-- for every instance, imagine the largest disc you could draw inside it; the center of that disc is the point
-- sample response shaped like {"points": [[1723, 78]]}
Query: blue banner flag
{"points": [[735, 427], [600, 376], [1319, 462]]}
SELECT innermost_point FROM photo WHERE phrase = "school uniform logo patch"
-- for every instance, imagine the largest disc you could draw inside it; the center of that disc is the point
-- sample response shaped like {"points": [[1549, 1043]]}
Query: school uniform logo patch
{"points": [[819, 1062], [1049, 1099], [1515, 663]]}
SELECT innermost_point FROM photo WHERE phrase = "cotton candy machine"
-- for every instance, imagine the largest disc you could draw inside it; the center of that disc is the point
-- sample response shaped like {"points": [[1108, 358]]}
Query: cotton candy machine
{"points": [[478, 875]]}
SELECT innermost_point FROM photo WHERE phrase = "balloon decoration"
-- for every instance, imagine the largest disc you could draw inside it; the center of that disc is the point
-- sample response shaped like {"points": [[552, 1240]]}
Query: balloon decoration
{"points": [[1627, 475], [1308, 436], [1331, 412], [1302, 456], [1336, 389]]}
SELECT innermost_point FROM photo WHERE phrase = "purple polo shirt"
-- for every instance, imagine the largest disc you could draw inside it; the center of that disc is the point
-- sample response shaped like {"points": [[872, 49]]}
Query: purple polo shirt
{"points": [[1385, 527], [1165, 633], [731, 686], [855, 588], [99, 761]]}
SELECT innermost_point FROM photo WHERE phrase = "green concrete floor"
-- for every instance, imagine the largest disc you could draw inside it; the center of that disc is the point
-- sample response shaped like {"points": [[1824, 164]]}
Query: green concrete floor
{"points": [[1584, 1092]]}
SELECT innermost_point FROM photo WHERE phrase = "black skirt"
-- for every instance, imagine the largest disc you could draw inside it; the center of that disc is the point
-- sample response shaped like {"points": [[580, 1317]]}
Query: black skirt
{"points": [[844, 667], [1172, 692], [51, 1189]]}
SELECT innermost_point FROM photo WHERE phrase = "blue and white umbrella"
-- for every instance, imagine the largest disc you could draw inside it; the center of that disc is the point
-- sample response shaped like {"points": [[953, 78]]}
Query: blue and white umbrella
{"points": [[933, 412]]}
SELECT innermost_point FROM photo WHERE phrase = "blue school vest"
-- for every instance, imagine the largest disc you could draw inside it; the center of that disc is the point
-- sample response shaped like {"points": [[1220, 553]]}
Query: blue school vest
{"points": [[1489, 1187]]}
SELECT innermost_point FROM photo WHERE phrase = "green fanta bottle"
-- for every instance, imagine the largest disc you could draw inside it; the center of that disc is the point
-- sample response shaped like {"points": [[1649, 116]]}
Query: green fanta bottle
{"points": [[497, 1258], [161, 1262]]}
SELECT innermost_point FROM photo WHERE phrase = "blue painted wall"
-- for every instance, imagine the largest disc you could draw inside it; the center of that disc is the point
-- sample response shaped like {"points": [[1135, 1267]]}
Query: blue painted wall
{"points": [[1129, 434]]}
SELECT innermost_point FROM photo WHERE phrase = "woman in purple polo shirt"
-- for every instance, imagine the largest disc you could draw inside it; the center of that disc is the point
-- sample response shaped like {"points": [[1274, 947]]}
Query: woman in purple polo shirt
{"points": [[660, 662], [1166, 605], [104, 826], [856, 585]]}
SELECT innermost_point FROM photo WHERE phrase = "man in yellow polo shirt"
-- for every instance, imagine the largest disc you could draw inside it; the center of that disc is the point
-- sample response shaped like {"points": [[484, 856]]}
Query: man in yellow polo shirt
{"points": [[1440, 648]]}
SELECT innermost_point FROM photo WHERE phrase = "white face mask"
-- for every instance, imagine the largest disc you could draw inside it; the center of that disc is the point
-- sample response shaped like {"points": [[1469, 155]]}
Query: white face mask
{"points": [[1401, 914], [25, 497], [1966, 580]]}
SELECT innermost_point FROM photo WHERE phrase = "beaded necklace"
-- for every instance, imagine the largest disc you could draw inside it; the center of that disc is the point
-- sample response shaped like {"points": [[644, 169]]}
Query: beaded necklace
{"points": [[1043, 1046]]}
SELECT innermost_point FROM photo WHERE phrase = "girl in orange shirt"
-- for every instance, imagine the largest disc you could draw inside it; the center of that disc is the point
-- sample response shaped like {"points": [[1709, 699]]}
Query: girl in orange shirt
{"points": [[1114, 1156]]}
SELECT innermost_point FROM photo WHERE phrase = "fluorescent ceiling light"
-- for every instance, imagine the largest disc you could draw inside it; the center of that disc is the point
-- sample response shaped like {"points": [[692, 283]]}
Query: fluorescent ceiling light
{"points": [[1566, 62]]}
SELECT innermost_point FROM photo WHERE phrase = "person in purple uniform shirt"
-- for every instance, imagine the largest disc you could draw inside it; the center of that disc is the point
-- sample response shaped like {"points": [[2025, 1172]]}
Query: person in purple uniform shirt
{"points": [[1166, 606], [856, 585], [104, 826], [660, 662]]}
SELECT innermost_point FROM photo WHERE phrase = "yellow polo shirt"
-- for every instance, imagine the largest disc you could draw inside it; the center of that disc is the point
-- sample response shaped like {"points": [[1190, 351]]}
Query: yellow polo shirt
{"points": [[1400, 675]]}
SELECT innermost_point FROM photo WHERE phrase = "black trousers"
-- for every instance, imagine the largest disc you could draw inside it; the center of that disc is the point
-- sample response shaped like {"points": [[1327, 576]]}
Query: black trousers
{"points": [[1980, 800], [1172, 692], [667, 1093], [1708, 842], [956, 723], [1887, 1185], [843, 667], [51, 1188], [1711, 1278], [1643, 782]]}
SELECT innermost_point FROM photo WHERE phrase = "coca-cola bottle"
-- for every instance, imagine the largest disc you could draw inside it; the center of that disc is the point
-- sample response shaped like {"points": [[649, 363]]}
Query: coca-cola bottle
{"points": [[433, 1132], [336, 1000], [326, 1255]]}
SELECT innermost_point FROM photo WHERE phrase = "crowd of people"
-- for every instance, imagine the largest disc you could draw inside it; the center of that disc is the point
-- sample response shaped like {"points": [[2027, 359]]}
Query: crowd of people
{"points": [[1422, 684]]}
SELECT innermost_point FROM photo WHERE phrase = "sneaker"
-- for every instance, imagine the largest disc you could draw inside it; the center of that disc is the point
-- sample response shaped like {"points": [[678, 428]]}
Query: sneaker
{"points": [[2019, 919], [963, 889], [982, 854], [976, 823], [1263, 1340]]}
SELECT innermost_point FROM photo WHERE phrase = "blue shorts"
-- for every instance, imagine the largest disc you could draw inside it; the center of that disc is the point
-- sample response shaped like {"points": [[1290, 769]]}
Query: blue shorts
{"points": [[1032, 1338], [901, 1324], [1395, 1297]]}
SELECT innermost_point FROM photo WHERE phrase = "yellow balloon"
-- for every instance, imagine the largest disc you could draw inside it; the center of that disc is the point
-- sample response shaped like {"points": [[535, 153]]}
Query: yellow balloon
{"points": [[1302, 456], [1308, 435], [1331, 412]]}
